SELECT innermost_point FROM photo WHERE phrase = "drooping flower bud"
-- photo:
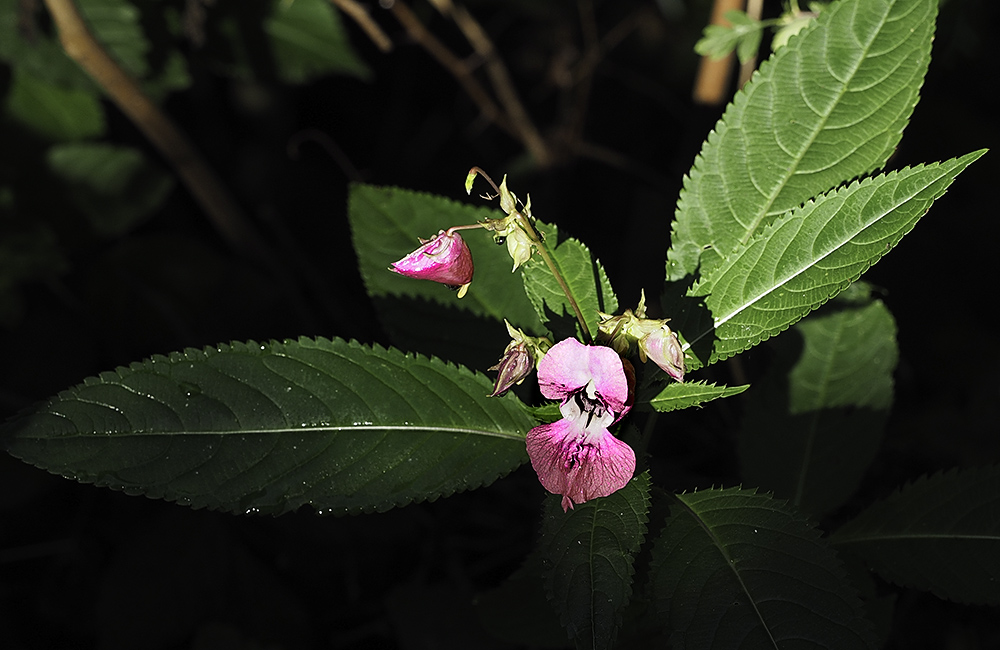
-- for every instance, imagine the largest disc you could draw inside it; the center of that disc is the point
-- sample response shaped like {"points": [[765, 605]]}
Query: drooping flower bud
{"points": [[445, 258], [518, 360]]}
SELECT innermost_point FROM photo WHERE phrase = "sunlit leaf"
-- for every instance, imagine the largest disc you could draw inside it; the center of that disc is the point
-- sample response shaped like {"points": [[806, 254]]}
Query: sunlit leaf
{"points": [[828, 107], [812, 253]]}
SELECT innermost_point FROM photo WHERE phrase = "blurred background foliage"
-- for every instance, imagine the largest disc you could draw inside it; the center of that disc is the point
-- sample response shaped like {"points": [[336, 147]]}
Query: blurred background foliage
{"points": [[106, 258]]}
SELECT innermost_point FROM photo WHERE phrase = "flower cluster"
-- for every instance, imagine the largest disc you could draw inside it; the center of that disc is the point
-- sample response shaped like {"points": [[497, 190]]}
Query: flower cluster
{"points": [[575, 456]]}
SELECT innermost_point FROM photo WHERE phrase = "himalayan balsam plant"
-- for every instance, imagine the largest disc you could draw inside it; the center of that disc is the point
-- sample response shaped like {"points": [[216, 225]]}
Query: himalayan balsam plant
{"points": [[788, 203]]}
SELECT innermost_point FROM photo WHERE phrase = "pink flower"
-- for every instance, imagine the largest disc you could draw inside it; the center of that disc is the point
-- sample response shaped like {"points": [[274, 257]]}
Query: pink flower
{"points": [[577, 456], [445, 259]]}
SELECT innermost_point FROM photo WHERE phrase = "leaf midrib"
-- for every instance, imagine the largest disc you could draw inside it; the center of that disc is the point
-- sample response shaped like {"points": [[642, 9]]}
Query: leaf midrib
{"points": [[813, 261], [289, 430], [791, 170]]}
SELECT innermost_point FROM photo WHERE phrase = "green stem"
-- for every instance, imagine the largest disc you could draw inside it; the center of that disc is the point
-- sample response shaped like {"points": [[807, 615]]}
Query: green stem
{"points": [[536, 239]]}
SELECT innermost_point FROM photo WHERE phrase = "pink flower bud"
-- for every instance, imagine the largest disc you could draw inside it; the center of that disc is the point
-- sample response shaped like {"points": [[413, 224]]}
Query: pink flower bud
{"points": [[516, 364], [663, 348], [445, 259]]}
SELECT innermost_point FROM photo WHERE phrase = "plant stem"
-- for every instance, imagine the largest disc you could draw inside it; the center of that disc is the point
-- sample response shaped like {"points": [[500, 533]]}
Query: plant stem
{"points": [[539, 244]]}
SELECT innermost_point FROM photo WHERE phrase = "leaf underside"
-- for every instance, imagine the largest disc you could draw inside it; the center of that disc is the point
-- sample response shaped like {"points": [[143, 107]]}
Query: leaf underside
{"points": [[736, 569], [940, 534], [267, 428], [828, 107], [812, 253]]}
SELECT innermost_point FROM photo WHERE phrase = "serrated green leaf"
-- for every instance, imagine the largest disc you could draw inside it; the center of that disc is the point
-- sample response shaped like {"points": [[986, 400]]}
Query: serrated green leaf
{"points": [[736, 569], [812, 253], [53, 112], [309, 41], [386, 224], [940, 534], [115, 187], [817, 418], [588, 553], [828, 107], [585, 277], [271, 427], [676, 396]]}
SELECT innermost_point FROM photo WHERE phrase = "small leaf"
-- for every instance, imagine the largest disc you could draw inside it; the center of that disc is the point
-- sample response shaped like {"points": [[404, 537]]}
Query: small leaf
{"points": [[309, 41], [589, 552], [940, 534], [585, 277], [829, 107], [676, 396], [736, 569], [115, 187], [53, 112], [812, 253], [817, 418], [268, 428]]}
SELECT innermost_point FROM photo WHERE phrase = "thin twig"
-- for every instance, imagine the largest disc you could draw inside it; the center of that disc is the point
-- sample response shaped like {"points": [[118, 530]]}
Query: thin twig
{"points": [[502, 85], [710, 87], [754, 10], [416, 30], [200, 179], [365, 22]]}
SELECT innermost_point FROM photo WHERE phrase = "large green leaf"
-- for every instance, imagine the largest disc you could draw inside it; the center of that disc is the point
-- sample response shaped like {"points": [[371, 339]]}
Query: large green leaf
{"points": [[829, 106], [812, 253], [271, 427], [816, 420], [940, 534], [585, 278], [115, 187], [386, 224], [310, 41], [588, 553], [736, 569]]}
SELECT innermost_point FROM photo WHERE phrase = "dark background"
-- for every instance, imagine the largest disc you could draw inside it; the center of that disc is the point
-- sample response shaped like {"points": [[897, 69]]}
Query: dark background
{"points": [[82, 567]]}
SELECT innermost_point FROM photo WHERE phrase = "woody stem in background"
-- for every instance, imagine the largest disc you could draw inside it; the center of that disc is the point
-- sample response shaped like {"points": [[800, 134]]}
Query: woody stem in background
{"points": [[206, 187]]}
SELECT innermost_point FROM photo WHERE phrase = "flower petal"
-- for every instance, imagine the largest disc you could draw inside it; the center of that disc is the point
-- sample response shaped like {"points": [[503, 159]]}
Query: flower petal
{"points": [[445, 259], [578, 464], [570, 365]]}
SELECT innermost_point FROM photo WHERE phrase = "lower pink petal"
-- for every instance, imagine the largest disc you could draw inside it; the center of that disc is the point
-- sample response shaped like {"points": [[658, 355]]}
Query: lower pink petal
{"points": [[576, 465]]}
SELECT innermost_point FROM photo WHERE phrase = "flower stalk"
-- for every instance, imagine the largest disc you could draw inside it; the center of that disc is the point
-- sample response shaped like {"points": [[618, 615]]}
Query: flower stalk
{"points": [[509, 204]]}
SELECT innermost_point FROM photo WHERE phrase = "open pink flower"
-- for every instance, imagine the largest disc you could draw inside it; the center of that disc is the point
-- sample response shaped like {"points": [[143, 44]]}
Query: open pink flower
{"points": [[577, 456], [445, 259]]}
